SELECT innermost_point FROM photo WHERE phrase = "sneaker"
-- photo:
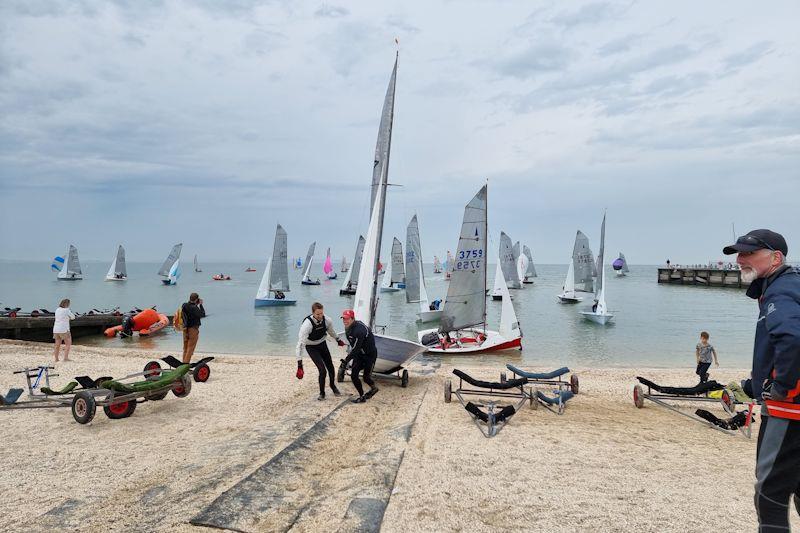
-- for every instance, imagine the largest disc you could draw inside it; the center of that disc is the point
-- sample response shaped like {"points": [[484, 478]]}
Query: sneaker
{"points": [[371, 392], [321, 397], [336, 392], [360, 399]]}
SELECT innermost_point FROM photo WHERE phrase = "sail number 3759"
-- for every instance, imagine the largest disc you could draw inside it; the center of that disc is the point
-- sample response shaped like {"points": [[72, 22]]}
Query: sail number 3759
{"points": [[469, 259]]}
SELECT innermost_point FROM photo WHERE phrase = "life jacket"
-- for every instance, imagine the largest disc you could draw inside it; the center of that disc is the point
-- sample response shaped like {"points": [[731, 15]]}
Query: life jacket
{"points": [[318, 329]]}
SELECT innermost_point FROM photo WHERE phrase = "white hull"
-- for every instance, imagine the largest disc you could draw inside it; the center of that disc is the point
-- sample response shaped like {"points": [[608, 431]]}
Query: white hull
{"points": [[429, 316], [77, 277], [390, 289], [620, 274], [565, 298], [394, 353], [112, 278], [597, 318], [493, 342]]}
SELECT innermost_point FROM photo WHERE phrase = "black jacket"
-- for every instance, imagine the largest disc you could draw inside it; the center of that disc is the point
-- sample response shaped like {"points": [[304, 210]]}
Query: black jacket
{"points": [[192, 313], [362, 341], [776, 351]]}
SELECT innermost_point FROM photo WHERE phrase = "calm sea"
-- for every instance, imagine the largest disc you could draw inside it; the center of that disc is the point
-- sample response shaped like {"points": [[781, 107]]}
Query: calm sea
{"points": [[655, 325]]}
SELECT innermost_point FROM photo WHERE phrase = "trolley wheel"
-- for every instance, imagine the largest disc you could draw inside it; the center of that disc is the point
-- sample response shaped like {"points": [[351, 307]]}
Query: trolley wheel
{"points": [[728, 401], [341, 372], [120, 410], [638, 396], [152, 371], [201, 373], [534, 398], [574, 383], [83, 407], [404, 378], [183, 388], [503, 377], [156, 396], [448, 391]]}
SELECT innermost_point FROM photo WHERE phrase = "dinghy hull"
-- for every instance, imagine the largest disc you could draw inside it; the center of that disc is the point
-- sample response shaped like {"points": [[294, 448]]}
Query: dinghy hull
{"points": [[467, 343], [597, 319], [272, 302]]}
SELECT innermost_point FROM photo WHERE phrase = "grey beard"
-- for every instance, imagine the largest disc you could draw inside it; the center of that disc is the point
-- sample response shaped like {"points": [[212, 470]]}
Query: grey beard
{"points": [[749, 275]]}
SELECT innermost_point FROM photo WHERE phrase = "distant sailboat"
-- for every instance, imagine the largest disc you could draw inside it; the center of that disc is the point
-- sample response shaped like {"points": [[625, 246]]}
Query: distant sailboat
{"points": [[620, 265], [599, 312], [169, 271], [344, 266], [351, 280], [118, 271], [309, 261], [530, 269], [508, 265], [416, 290], [196, 266], [275, 281], [394, 279], [448, 266], [437, 265], [579, 273], [71, 271], [463, 324], [327, 268]]}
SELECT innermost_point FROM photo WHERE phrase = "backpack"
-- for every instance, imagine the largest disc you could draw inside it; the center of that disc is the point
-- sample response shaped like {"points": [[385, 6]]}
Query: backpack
{"points": [[177, 321]]}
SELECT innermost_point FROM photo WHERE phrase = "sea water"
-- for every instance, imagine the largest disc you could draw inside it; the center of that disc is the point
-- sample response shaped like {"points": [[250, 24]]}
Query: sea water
{"points": [[654, 324]]}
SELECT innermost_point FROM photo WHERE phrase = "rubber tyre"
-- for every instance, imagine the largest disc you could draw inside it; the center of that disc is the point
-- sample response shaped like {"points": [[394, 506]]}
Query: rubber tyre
{"points": [[503, 377], [158, 396], [638, 396], [83, 407], [341, 373], [574, 384], [448, 391], [404, 378], [120, 410], [182, 389], [201, 373], [152, 371]]}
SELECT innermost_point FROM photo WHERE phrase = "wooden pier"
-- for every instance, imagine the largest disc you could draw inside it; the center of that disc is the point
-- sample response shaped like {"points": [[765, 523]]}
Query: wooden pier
{"points": [[704, 277], [41, 328]]}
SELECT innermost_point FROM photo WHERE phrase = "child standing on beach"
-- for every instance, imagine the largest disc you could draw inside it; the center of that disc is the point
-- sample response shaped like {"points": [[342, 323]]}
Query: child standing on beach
{"points": [[703, 352], [61, 331]]}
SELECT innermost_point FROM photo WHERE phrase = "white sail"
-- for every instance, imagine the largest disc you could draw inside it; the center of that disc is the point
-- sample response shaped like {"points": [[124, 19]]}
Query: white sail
{"points": [[522, 266], [583, 262], [509, 325], [398, 267], [309, 260], [174, 272], [72, 265], [118, 269], [600, 295], [387, 277], [344, 267], [624, 263], [569, 282], [352, 274], [465, 304], [173, 256], [499, 280], [530, 272], [508, 263], [263, 288], [196, 265]]}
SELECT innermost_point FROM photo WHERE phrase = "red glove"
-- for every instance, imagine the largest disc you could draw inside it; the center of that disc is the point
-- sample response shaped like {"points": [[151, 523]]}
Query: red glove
{"points": [[340, 342], [300, 372]]}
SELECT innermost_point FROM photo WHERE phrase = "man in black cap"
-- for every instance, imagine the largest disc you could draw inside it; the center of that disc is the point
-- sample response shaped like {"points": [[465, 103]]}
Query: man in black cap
{"points": [[775, 378]]}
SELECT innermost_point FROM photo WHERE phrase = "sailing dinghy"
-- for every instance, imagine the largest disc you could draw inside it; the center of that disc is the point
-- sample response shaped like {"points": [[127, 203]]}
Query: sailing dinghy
{"points": [[170, 270], [462, 327], [327, 267], [309, 260], [351, 279], [196, 265], [437, 265], [416, 292], [275, 281], [118, 271], [530, 269], [394, 279], [71, 271], [599, 313], [620, 266], [579, 273]]}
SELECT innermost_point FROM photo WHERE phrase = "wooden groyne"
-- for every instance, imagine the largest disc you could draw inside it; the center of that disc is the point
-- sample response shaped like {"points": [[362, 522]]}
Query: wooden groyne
{"points": [[704, 277], [41, 328]]}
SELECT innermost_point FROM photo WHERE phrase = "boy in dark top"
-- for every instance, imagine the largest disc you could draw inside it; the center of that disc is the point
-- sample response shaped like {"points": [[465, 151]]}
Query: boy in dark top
{"points": [[362, 352], [192, 311], [703, 352]]}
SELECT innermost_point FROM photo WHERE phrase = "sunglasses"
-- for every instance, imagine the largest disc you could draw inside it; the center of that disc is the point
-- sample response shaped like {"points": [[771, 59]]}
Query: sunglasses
{"points": [[753, 240]]}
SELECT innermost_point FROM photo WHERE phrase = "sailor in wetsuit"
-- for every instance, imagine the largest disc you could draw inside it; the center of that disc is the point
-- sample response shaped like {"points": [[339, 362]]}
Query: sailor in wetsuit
{"points": [[312, 335], [362, 352]]}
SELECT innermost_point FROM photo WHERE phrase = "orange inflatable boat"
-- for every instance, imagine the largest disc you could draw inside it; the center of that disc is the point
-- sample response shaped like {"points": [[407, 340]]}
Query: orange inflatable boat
{"points": [[147, 322]]}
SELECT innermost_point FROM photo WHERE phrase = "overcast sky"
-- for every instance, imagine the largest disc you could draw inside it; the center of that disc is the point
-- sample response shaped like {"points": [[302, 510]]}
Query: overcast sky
{"points": [[208, 122]]}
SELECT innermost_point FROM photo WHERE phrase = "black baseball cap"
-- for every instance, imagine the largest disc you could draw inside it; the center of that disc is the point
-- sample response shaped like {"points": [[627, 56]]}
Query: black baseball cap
{"points": [[758, 239]]}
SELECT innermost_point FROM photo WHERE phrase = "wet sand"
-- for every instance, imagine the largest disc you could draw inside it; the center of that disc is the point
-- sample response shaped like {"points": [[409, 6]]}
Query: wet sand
{"points": [[253, 450]]}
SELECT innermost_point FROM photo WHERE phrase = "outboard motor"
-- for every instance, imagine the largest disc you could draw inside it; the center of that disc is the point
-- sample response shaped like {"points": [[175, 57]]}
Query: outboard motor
{"points": [[127, 327]]}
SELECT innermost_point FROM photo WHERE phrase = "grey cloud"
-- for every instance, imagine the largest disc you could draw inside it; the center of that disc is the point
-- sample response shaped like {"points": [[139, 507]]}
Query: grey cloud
{"points": [[620, 45], [589, 14], [671, 86], [748, 56], [399, 23], [262, 41], [329, 11], [537, 58]]}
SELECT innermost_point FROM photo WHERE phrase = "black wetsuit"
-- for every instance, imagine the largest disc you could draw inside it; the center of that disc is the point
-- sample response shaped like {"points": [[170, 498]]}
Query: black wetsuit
{"points": [[362, 352], [320, 354]]}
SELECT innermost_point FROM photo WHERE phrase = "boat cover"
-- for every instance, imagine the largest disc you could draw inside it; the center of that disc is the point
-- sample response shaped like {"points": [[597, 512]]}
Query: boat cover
{"points": [[510, 384], [700, 388]]}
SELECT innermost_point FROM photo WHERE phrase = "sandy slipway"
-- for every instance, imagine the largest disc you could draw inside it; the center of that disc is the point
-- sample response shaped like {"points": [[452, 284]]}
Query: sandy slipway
{"points": [[252, 450]]}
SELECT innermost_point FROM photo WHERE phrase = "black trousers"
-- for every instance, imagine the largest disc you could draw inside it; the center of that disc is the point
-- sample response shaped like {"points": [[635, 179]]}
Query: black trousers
{"points": [[365, 364], [321, 356], [702, 371], [777, 472]]}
